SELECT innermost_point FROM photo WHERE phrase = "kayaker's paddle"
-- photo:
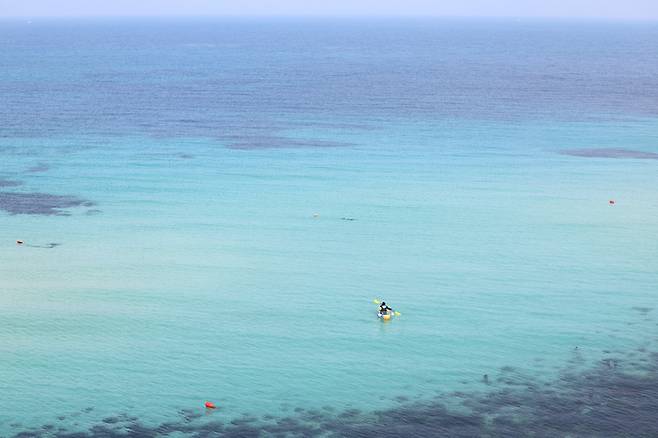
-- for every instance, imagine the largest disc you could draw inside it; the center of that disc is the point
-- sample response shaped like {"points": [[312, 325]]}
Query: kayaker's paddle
{"points": [[379, 302]]}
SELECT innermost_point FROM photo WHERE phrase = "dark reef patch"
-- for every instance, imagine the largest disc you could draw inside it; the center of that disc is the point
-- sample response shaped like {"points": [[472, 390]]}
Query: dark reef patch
{"points": [[603, 401], [9, 183], [40, 203], [279, 142], [41, 167], [46, 246], [333, 126], [610, 153]]}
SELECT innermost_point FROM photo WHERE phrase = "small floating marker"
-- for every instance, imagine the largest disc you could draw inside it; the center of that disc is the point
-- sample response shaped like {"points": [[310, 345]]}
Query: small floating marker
{"points": [[19, 242], [611, 202], [210, 405]]}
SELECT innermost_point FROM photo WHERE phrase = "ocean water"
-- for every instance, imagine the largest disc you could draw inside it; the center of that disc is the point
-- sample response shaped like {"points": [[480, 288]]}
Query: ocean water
{"points": [[210, 207]]}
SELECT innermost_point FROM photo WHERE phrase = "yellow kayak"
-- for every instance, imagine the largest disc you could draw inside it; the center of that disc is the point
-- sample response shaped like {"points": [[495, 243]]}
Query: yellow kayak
{"points": [[385, 316], [388, 314]]}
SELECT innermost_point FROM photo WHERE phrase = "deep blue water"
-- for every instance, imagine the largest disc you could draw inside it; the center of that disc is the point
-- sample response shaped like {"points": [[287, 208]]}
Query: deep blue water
{"points": [[220, 78], [208, 209]]}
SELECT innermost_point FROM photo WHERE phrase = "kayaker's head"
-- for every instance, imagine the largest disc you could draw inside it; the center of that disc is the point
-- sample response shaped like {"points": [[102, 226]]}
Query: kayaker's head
{"points": [[383, 303]]}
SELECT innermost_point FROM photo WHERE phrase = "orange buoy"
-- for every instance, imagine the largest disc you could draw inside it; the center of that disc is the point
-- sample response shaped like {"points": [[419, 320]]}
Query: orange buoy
{"points": [[19, 242], [210, 405], [612, 202]]}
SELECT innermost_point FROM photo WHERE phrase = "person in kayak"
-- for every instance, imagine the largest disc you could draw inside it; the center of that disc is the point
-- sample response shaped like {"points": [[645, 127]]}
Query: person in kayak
{"points": [[383, 308]]}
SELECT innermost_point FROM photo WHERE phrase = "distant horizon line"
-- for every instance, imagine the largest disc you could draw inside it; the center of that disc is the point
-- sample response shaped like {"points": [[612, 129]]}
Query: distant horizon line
{"points": [[337, 16]]}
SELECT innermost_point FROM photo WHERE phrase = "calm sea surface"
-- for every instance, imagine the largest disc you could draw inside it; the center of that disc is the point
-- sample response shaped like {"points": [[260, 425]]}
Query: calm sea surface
{"points": [[210, 207]]}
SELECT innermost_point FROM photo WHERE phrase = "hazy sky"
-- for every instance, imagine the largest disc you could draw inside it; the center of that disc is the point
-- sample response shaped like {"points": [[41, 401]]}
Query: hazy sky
{"points": [[623, 9]]}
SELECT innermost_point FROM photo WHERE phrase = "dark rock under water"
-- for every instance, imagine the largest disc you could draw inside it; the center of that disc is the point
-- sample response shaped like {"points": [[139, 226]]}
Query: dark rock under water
{"points": [[9, 183], [40, 203], [598, 402], [610, 153]]}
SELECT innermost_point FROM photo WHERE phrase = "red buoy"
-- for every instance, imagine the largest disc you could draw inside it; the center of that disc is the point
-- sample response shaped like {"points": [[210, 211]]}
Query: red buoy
{"points": [[210, 405], [612, 202]]}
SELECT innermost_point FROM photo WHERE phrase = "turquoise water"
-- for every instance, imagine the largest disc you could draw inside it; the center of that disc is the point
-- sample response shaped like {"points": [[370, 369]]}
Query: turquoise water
{"points": [[216, 262]]}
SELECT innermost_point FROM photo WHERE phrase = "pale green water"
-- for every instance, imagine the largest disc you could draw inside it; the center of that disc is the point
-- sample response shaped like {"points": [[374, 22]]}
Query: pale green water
{"points": [[209, 278]]}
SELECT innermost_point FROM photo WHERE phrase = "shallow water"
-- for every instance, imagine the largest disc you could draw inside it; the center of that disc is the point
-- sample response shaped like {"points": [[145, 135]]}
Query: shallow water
{"points": [[195, 178]]}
